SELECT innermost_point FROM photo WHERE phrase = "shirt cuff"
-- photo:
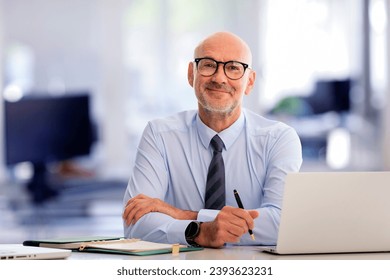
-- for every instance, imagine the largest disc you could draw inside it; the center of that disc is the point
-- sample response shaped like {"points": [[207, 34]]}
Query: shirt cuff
{"points": [[176, 231], [207, 215]]}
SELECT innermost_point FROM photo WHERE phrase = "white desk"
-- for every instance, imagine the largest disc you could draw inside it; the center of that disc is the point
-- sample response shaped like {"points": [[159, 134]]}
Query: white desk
{"points": [[231, 253]]}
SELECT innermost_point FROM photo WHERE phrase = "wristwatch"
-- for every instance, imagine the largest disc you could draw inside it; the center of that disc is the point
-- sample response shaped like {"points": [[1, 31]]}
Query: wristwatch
{"points": [[192, 231]]}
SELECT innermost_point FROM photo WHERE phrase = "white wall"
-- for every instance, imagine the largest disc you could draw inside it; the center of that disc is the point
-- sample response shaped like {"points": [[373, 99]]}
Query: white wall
{"points": [[113, 94], [386, 111]]}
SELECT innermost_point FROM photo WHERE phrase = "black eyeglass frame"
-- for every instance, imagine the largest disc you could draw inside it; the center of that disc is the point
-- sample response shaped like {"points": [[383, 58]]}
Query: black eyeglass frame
{"points": [[246, 66]]}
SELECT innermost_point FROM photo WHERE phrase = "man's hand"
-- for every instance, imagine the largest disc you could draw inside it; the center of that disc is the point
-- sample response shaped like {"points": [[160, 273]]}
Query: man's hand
{"points": [[229, 225], [141, 204]]}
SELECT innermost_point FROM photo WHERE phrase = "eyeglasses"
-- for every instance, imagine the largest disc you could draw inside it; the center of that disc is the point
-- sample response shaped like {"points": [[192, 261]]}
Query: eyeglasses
{"points": [[207, 67]]}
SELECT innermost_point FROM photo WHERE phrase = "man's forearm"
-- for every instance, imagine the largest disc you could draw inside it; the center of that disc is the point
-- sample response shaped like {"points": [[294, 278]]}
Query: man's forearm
{"points": [[186, 215], [158, 227], [141, 205]]}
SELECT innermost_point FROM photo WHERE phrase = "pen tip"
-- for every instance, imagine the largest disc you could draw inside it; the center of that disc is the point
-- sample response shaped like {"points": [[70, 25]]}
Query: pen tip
{"points": [[253, 236]]}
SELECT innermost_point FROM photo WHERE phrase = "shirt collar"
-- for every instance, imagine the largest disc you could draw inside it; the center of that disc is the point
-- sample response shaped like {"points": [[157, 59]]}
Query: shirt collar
{"points": [[228, 135]]}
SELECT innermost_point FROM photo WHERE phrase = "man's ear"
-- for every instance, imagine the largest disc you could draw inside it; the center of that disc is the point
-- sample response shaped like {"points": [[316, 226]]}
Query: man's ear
{"points": [[251, 82], [190, 74]]}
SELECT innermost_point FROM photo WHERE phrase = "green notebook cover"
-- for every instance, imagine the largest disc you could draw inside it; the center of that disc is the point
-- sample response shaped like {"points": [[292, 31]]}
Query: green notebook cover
{"points": [[57, 242], [144, 253]]}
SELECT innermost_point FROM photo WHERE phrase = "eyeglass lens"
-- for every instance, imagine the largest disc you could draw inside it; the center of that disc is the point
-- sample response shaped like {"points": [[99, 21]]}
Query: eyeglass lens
{"points": [[233, 70]]}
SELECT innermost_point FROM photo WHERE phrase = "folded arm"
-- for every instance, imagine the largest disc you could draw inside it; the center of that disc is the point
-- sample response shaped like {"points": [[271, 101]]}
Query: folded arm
{"points": [[228, 226], [141, 204]]}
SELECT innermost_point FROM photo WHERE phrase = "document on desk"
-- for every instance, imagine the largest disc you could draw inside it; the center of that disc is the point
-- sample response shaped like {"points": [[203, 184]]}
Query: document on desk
{"points": [[112, 245]]}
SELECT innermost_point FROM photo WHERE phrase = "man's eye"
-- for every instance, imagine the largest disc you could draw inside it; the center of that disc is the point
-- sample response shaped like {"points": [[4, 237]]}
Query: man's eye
{"points": [[209, 65], [233, 68]]}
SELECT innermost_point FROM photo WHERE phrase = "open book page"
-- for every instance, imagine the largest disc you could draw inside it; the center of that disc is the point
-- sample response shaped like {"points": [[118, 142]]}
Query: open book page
{"points": [[128, 245]]}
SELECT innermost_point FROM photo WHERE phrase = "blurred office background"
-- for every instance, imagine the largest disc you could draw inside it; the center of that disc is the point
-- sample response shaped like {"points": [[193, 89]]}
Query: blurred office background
{"points": [[322, 67]]}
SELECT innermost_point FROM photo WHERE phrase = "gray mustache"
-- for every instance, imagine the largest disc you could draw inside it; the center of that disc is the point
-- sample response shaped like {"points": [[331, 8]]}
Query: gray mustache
{"points": [[217, 86]]}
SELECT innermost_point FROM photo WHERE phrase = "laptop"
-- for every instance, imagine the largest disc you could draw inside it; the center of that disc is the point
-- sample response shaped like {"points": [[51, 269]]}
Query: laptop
{"points": [[20, 252], [334, 212]]}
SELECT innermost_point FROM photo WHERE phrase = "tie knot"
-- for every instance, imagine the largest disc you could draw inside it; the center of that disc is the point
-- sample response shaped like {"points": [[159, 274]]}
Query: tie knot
{"points": [[217, 143]]}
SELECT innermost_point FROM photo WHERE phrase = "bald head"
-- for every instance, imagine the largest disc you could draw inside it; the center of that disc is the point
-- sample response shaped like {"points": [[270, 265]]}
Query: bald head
{"points": [[226, 45]]}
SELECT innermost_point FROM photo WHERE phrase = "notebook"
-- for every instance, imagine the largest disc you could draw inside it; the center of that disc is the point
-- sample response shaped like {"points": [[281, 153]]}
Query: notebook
{"points": [[334, 212], [20, 252], [113, 245]]}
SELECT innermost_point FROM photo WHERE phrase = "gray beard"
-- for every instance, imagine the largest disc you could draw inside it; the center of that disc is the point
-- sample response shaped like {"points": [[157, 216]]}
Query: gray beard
{"points": [[225, 111]]}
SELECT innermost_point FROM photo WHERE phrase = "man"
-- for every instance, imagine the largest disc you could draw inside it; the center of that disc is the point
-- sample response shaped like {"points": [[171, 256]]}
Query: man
{"points": [[167, 192]]}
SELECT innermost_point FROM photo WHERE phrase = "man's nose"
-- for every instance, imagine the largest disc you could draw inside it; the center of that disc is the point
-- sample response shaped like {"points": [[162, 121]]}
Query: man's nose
{"points": [[219, 76]]}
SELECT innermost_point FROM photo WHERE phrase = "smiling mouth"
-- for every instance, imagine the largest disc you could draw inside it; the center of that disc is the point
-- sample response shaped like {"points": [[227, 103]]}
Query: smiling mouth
{"points": [[218, 90]]}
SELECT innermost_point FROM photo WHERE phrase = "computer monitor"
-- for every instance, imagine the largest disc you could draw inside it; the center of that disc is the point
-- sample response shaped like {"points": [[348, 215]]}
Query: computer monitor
{"points": [[331, 95], [45, 129]]}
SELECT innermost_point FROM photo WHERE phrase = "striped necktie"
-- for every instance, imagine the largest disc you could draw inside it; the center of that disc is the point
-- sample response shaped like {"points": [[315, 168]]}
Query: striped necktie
{"points": [[215, 186]]}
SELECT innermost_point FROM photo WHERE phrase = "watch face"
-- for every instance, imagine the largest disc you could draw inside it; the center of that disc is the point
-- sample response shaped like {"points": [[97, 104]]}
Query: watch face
{"points": [[192, 230]]}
